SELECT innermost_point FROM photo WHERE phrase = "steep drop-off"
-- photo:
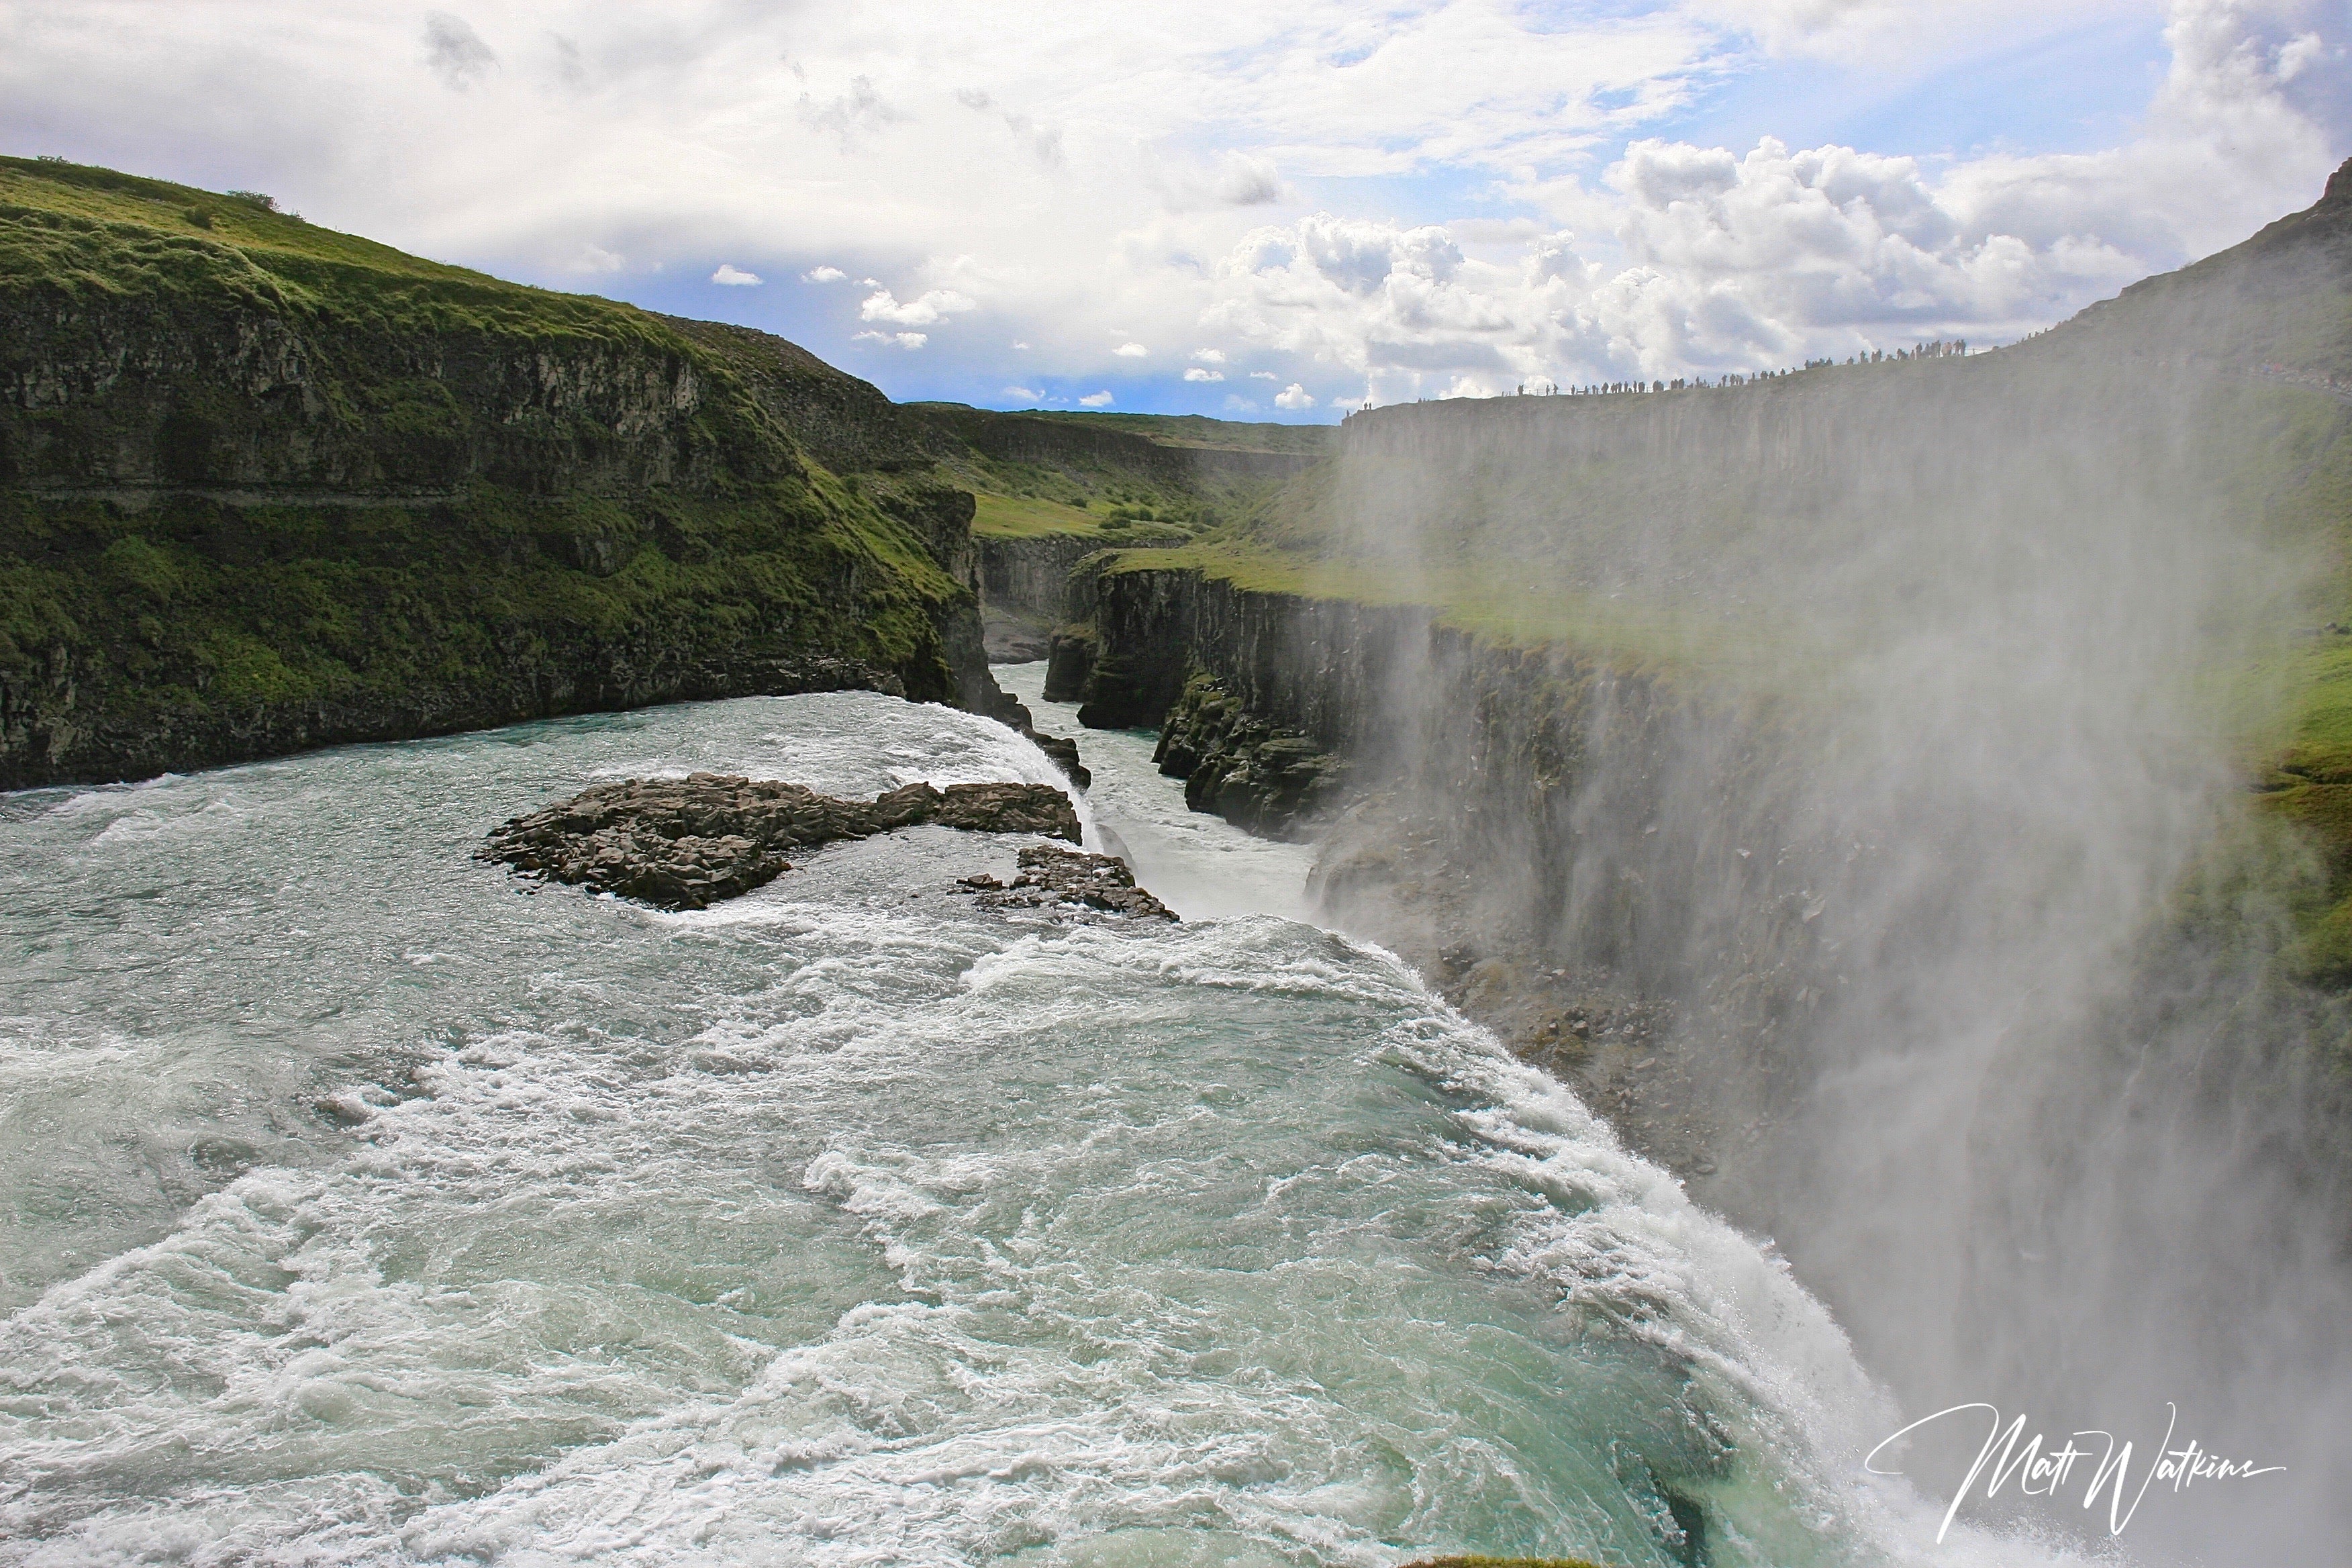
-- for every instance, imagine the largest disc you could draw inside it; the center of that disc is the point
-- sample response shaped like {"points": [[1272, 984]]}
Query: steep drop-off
{"points": [[264, 487], [1906, 795]]}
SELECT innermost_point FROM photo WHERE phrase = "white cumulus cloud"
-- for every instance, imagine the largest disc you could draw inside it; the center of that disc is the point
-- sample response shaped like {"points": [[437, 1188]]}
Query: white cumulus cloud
{"points": [[925, 309], [1199, 373], [1097, 399], [1130, 351], [1436, 195], [1294, 396], [909, 340], [734, 276]]}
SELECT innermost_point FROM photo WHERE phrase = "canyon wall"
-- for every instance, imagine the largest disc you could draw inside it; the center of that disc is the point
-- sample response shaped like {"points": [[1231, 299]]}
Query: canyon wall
{"points": [[1907, 797], [264, 487]]}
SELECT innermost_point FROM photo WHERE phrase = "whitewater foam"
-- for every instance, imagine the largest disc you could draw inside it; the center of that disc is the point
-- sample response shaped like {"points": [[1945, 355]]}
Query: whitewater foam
{"points": [[846, 1223]]}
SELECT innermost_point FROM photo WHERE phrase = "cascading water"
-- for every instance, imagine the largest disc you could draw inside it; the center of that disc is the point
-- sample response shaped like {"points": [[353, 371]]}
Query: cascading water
{"points": [[367, 1205]]}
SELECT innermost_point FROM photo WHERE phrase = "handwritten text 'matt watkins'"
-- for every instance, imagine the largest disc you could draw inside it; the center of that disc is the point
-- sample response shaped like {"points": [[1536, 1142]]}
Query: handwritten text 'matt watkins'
{"points": [[2040, 1470]]}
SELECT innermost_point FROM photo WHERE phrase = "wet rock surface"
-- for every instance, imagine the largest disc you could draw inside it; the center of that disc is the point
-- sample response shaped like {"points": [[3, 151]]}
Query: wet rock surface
{"points": [[1257, 775], [685, 844], [1012, 637], [1051, 876], [1062, 752]]}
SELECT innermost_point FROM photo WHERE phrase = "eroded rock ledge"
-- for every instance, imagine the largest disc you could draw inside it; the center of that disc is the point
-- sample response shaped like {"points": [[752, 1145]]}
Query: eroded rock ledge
{"points": [[685, 844]]}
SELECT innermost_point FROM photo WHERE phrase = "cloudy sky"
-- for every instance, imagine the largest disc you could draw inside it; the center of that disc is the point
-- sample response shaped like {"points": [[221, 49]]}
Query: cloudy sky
{"points": [[1265, 210]]}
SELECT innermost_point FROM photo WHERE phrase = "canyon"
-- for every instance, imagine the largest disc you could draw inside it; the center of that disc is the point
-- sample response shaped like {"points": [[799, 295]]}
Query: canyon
{"points": [[1910, 798]]}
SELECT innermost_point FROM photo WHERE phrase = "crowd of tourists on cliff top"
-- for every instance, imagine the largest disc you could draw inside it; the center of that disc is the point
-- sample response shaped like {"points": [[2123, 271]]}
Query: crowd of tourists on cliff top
{"points": [[1940, 349]]}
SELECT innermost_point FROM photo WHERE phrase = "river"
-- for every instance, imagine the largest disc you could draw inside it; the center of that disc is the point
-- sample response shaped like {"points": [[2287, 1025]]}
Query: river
{"points": [[364, 1205]]}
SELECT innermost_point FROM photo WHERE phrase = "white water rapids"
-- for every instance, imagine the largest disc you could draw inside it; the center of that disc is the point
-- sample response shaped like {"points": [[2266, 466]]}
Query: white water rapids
{"points": [[362, 1205]]}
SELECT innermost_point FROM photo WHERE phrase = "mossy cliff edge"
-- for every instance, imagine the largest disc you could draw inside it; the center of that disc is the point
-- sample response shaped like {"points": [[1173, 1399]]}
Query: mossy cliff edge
{"points": [[1679, 557], [264, 487], [1976, 727]]}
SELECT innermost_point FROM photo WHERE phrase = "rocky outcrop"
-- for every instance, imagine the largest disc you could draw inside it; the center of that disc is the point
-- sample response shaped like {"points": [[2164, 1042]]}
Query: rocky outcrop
{"points": [[1070, 661], [1059, 750], [686, 844], [1050, 875], [1257, 775]]}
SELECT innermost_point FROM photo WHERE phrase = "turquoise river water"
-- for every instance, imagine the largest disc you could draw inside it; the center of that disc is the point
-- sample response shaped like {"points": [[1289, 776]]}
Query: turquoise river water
{"points": [[363, 1205]]}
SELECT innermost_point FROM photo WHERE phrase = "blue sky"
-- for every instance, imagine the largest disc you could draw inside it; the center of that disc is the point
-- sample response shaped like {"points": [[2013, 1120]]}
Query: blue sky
{"points": [[1264, 212]]}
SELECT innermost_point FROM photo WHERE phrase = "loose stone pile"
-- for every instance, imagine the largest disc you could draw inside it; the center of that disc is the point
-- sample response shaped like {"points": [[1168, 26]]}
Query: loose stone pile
{"points": [[1052, 875], [685, 844]]}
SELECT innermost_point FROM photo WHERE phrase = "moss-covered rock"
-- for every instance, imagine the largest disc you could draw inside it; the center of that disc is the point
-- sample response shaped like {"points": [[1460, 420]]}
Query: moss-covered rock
{"points": [[1257, 775]]}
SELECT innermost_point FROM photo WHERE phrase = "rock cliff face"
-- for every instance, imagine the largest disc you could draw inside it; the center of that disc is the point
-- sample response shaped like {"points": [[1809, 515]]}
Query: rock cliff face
{"points": [[264, 487], [1300, 705], [1253, 773], [1028, 588], [1034, 576], [1832, 791]]}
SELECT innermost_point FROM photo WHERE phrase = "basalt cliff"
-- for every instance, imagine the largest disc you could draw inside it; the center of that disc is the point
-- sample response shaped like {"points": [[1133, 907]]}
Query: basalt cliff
{"points": [[265, 487], [1911, 795]]}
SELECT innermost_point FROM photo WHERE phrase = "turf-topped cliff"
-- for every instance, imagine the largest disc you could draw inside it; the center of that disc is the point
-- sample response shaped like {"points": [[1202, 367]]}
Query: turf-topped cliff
{"points": [[264, 486], [1055, 487], [1911, 798], [1768, 540]]}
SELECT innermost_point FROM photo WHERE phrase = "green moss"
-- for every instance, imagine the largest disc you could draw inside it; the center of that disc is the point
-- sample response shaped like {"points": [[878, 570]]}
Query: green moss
{"points": [[289, 604], [1029, 516]]}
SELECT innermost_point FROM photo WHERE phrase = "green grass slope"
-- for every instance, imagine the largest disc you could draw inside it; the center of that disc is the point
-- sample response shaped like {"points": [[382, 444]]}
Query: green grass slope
{"points": [[1136, 478], [264, 486]]}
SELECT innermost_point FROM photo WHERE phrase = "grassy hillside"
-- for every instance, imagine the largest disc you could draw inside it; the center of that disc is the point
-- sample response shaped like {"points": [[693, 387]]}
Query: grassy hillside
{"points": [[1030, 516], [263, 485], [1194, 430], [1136, 476]]}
